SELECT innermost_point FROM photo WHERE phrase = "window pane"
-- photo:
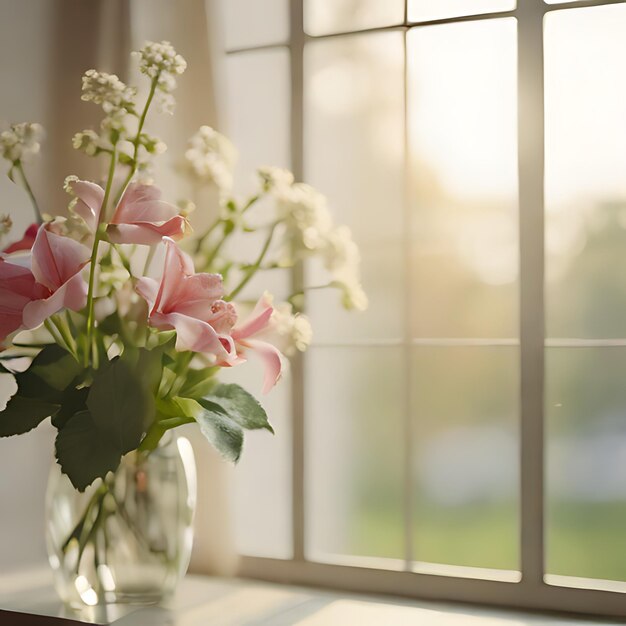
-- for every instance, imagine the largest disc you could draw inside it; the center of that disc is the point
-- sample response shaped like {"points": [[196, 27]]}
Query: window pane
{"points": [[463, 142], [466, 456], [254, 22], [262, 478], [586, 471], [332, 16], [354, 139], [354, 452], [258, 123], [258, 105], [424, 10], [585, 63]]}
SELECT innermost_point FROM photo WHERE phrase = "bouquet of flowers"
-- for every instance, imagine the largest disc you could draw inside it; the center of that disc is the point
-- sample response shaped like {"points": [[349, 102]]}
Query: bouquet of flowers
{"points": [[117, 320]]}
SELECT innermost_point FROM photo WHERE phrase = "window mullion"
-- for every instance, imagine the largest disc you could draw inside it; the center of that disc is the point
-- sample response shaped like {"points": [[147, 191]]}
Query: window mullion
{"points": [[408, 487], [296, 48], [531, 228]]}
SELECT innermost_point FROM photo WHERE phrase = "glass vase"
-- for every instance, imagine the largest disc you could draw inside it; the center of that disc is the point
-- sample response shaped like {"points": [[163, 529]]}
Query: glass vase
{"points": [[127, 539]]}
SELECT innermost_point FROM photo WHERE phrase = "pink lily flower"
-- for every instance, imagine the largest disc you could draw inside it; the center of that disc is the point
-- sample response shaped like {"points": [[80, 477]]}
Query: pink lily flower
{"points": [[244, 337], [141, 216], [190, 304], [17, 289], [56, 266], [25, 243]]}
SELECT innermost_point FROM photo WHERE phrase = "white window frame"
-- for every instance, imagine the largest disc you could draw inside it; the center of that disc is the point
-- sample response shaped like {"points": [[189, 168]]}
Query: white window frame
{"points": [[531, 587]]}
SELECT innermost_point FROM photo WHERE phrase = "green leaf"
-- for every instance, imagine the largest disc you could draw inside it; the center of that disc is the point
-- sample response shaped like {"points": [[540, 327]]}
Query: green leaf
{"points": [[150, 364], [241, 406], [73, 401], [23, 414], [120, 404], [221, 431], [56, 367], [199, 383], [83, 453], [36, 399]]}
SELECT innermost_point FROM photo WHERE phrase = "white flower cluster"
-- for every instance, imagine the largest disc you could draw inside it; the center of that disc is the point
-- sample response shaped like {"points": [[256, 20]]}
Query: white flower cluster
{"points": [[310, 226], [160, 61], [275, 178], [342, 259], [107, 90], [211, 158], [294, 331], [306, 214], [21, 141], [87, 141]]}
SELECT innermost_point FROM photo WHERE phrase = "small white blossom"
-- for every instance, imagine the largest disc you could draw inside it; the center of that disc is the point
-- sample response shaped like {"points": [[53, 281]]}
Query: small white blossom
{"points": [[21, 141], [109, 91], [306, 215], [342, 259], [153, 145], [211, 158], [353, 297], [340, 251], [294, 330], [275, 178], [161, 61], [87, 141]]}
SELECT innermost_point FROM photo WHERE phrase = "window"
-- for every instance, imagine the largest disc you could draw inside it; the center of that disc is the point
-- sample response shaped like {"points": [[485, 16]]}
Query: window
{"points": [[466, 438]]}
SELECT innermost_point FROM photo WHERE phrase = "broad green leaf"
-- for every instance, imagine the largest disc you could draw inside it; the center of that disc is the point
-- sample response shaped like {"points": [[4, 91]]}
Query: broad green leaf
{"points": [[150, 365], [83, 452], [221, 431], [120, 404], [23, 414], [56, 367], [241, 406], [73, 401], [35, 399], [199, 383]]}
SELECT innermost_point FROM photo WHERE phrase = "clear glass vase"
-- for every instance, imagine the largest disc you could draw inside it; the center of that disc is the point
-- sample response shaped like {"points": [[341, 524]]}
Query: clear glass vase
{"points": [[127, 539]]}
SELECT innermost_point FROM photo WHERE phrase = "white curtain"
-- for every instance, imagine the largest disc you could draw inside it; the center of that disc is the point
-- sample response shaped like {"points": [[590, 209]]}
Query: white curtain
{"points": [[45, 46]]}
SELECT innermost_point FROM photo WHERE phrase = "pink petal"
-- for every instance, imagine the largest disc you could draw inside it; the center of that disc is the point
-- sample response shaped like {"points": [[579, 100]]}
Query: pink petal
{"points": [[192, 334], [17, 289], [257, 321], [148, 233], [148, 289], [141, 203], [71, 295], [90, 197], [56, 258], [26, 242], [181, 289], [271, 358]]}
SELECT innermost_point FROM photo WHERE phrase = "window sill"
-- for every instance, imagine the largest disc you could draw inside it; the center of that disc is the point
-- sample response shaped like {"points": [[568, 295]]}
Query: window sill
{"points": [[205, 601]]}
